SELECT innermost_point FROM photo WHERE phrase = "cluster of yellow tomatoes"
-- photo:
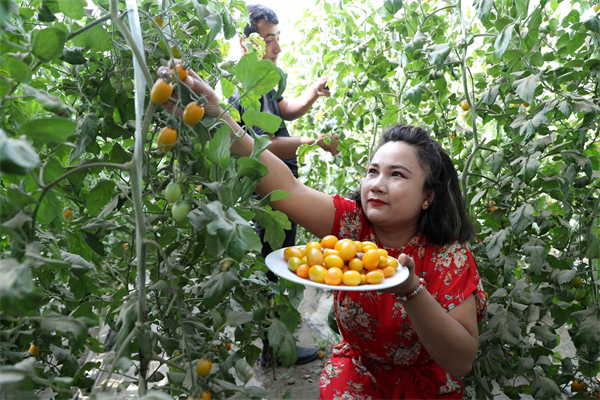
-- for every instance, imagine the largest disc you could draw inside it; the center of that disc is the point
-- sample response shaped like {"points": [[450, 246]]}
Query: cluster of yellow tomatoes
{"points": [[192, 114], [335, 261]]}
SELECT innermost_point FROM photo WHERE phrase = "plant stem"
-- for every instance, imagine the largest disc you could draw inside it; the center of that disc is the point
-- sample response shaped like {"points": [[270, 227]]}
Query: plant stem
{"points": [[46, 188]]}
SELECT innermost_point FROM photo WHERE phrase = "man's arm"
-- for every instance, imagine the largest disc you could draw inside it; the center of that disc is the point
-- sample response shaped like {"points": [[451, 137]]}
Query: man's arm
{"points": [[294, 109]]}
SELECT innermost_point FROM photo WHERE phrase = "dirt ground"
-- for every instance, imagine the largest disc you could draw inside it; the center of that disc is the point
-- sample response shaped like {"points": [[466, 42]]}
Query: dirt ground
{"points": [[302, 381]]}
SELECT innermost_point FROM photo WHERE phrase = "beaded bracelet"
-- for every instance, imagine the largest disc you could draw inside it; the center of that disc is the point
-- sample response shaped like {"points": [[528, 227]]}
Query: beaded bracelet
{"points": [[408, 296]]}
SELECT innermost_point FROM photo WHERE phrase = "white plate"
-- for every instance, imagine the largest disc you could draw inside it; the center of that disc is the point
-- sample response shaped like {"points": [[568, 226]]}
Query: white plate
{"points": [[279, 266]]}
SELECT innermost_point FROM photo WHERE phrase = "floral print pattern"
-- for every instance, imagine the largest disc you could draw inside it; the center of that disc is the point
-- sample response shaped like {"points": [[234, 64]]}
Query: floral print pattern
{"points": [[381, 351]]}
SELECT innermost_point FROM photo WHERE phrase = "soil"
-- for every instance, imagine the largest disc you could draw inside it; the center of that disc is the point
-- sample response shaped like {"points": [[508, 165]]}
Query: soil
{"points": [[302, 381]]}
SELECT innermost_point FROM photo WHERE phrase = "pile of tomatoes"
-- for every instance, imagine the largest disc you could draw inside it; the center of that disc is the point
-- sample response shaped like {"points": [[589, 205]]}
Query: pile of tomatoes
{"points": [[335, 261]]}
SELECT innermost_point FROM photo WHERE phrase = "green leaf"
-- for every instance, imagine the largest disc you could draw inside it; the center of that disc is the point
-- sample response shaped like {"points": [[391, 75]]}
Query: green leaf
{"points": [[416, 43], [280, 86], [18, 69], [283, 343], [73, 56], [543, 333], [525, 87], [218, 147], [47, 44], [257, 76], [535, 19], [503, 40], [244, 371], [437, 54], [392, 6], [484, 7], [49, 102], [507, 326], [274, 222], [50, 208], [572, 157], [99, 196], [543, 387], [212, 19], [414, 93], [87, 128], [53, 129], [18, 197], [593, 24], [521, 218], [72, 8], [535, 250], [17, 156], [18, 294], [490, 95], [235, 318], [75, 329], [218, 286], [267, 122], [494, 243]]}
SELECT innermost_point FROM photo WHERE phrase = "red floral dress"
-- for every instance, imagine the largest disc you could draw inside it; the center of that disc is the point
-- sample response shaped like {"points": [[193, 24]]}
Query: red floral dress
{"points": [[381, 356]]}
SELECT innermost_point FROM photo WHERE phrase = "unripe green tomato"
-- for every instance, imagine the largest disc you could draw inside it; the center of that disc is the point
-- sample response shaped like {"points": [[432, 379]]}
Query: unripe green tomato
{"points": [[173, 192], [464, 154], [577, 282], [180, 210], [580, 294], [587, 301], [226, 65], [480, 163], [197, 147]]}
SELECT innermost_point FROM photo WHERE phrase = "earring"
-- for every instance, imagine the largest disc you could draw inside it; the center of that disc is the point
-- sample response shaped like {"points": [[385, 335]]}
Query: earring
{"points": [[426, 204]]}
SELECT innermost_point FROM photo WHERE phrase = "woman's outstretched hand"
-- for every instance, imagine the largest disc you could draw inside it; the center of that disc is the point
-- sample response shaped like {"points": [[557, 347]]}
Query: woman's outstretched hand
{"points": [[411, 283], [212, 107]]}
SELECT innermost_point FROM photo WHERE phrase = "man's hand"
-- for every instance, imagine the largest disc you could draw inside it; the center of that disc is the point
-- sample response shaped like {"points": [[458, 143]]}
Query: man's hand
{"points": [[332, 147], [322, 88]]}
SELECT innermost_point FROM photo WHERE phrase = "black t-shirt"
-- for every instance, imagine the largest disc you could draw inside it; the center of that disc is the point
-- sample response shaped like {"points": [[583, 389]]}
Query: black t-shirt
{"points": [[271, 107]]}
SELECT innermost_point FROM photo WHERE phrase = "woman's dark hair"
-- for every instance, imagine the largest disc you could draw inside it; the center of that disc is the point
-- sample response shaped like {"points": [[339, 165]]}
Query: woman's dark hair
{"points": [[446, 220], [258, 13]]}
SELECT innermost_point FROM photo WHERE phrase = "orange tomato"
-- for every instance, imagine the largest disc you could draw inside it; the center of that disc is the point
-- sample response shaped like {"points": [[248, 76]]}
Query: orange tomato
{"points": [[328, 242], [193, 113], [313, 245], [355, 264], [206, 395], [388, 272], [577, 386], [347, 249], [67, 214], [333, 276], [203, 367], [166, 138], [321, 354], [182, 73], [302, 271], [369, 246], [161, 91], [371, 259]]}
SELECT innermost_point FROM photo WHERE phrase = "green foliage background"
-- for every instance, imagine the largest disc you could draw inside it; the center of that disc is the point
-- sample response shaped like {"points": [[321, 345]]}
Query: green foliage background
{"points": [[71, 139]]}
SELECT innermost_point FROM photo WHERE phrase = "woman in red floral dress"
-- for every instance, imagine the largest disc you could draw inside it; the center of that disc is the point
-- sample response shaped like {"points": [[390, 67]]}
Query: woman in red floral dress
{"points": [[417, 340]]}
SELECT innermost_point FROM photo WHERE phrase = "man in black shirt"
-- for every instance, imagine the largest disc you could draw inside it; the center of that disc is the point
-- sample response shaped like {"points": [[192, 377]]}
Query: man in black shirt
{"points": [[265, 22]]}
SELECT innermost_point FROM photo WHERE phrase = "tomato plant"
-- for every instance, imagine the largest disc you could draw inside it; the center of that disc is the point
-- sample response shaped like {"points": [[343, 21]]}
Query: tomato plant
{"points": [[193, 113]]}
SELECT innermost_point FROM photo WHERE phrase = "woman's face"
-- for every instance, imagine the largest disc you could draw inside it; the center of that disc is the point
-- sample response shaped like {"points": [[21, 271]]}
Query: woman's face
{"points": [[393, 192]]}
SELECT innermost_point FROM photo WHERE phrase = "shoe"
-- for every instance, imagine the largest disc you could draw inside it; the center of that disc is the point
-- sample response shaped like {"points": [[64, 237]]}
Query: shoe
{"points": [[305, 355]]}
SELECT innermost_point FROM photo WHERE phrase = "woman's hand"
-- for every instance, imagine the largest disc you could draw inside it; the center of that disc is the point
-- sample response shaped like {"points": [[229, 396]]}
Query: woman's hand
{"points": [[212, 107], [411, 283]]}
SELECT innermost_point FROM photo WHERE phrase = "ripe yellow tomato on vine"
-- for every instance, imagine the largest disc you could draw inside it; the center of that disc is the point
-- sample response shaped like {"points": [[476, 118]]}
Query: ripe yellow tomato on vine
{"points": [[206, 395], [203, 367], [158, 21], [161, 91], [166, 139], [182, 73], [193, 113], [34, 350], [465, 105], [67, 214]]}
